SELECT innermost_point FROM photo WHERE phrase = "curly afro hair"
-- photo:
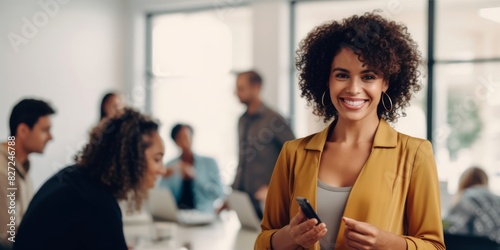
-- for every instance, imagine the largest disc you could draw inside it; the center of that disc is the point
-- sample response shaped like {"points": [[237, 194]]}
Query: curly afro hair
{"points": [[383, 45], [115, 155]]}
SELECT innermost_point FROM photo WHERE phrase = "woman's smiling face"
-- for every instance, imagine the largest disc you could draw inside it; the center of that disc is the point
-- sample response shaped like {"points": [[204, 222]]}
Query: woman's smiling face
{"points": [[355, 89]]}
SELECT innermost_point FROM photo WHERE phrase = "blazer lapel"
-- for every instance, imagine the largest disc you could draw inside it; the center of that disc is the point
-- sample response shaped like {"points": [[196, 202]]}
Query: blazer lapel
{"points": [[385, 138]]}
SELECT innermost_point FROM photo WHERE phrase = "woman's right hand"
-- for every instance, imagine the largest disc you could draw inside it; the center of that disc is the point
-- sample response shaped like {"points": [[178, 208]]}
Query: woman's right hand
{"points": [[304, 231]]}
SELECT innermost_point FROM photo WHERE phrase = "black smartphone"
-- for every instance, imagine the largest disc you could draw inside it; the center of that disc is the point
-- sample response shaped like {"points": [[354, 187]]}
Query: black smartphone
{"points": [[307, 209]]}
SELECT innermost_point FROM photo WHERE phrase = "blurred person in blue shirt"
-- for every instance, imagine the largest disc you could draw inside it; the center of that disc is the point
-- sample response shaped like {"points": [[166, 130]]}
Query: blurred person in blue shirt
{"points": [[194, 180]]}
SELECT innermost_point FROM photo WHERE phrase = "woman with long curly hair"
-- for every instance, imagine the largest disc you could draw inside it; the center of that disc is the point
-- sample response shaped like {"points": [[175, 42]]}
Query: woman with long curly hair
{"points": [[77, 208], [371, 186]]}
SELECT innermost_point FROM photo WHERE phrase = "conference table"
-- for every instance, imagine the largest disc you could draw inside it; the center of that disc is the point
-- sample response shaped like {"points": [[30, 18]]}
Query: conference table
{"points": [[226, 233]]}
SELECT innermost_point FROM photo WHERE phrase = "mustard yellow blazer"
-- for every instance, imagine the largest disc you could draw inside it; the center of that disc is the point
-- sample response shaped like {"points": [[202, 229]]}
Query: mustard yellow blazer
{"points": [[397, 190]]}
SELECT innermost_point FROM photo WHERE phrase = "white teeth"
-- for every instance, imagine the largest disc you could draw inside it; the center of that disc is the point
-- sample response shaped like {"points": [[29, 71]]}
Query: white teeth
{"points": [[354, 103]]}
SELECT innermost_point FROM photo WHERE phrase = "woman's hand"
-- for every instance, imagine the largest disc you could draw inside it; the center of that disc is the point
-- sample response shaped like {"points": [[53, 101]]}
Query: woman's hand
{"points": [[261, 193], [167, 172], [300, 232], [361, 235], [304, 231], [187, 170]]}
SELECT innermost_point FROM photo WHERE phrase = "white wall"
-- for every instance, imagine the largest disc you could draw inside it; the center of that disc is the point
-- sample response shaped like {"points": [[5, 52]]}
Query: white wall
{"points": [[71, 60], [87, 47]]}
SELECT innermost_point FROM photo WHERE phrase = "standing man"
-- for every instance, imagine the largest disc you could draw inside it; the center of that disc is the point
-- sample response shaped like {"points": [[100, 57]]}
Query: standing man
{"points": [[262, 132], [29, 133]]}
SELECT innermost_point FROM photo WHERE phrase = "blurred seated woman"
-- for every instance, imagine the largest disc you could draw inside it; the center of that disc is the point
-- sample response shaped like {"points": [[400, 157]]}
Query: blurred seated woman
{"points": [[111, 105], [77, 208], [193, 179], [477, 210]]}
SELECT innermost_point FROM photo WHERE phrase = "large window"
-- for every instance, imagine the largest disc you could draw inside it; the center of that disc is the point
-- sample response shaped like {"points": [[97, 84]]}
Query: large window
{"points": [[194, 55], [467, 89]]}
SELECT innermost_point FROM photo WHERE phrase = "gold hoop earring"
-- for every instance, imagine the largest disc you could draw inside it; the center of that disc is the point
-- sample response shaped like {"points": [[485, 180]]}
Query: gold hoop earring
{"points": [[323, 99], [383, 103]]}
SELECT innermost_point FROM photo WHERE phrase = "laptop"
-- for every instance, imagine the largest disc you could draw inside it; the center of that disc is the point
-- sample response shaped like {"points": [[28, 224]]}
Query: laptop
{"points": [[162, 205], [241, 203]]}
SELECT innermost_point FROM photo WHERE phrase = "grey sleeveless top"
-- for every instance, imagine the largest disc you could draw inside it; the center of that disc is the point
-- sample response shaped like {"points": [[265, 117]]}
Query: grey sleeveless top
{"points": [[330, 203]]}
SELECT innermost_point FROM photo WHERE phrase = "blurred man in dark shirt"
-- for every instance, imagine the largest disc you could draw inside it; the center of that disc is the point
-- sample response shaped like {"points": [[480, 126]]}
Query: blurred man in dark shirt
{"points": [[262, 132]]}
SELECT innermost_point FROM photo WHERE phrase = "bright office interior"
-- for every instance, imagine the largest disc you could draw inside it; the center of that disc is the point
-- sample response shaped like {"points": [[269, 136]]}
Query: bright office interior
{"points": [[176, 60]]}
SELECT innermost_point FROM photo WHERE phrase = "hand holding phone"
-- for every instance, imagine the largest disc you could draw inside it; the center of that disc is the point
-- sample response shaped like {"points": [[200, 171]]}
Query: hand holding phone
{"points": [[307, 209]]}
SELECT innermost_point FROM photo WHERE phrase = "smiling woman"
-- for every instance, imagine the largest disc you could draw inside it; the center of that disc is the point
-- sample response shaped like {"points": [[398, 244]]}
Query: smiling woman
{"points": [[381, 46], [121, 161], [361, 71]]}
